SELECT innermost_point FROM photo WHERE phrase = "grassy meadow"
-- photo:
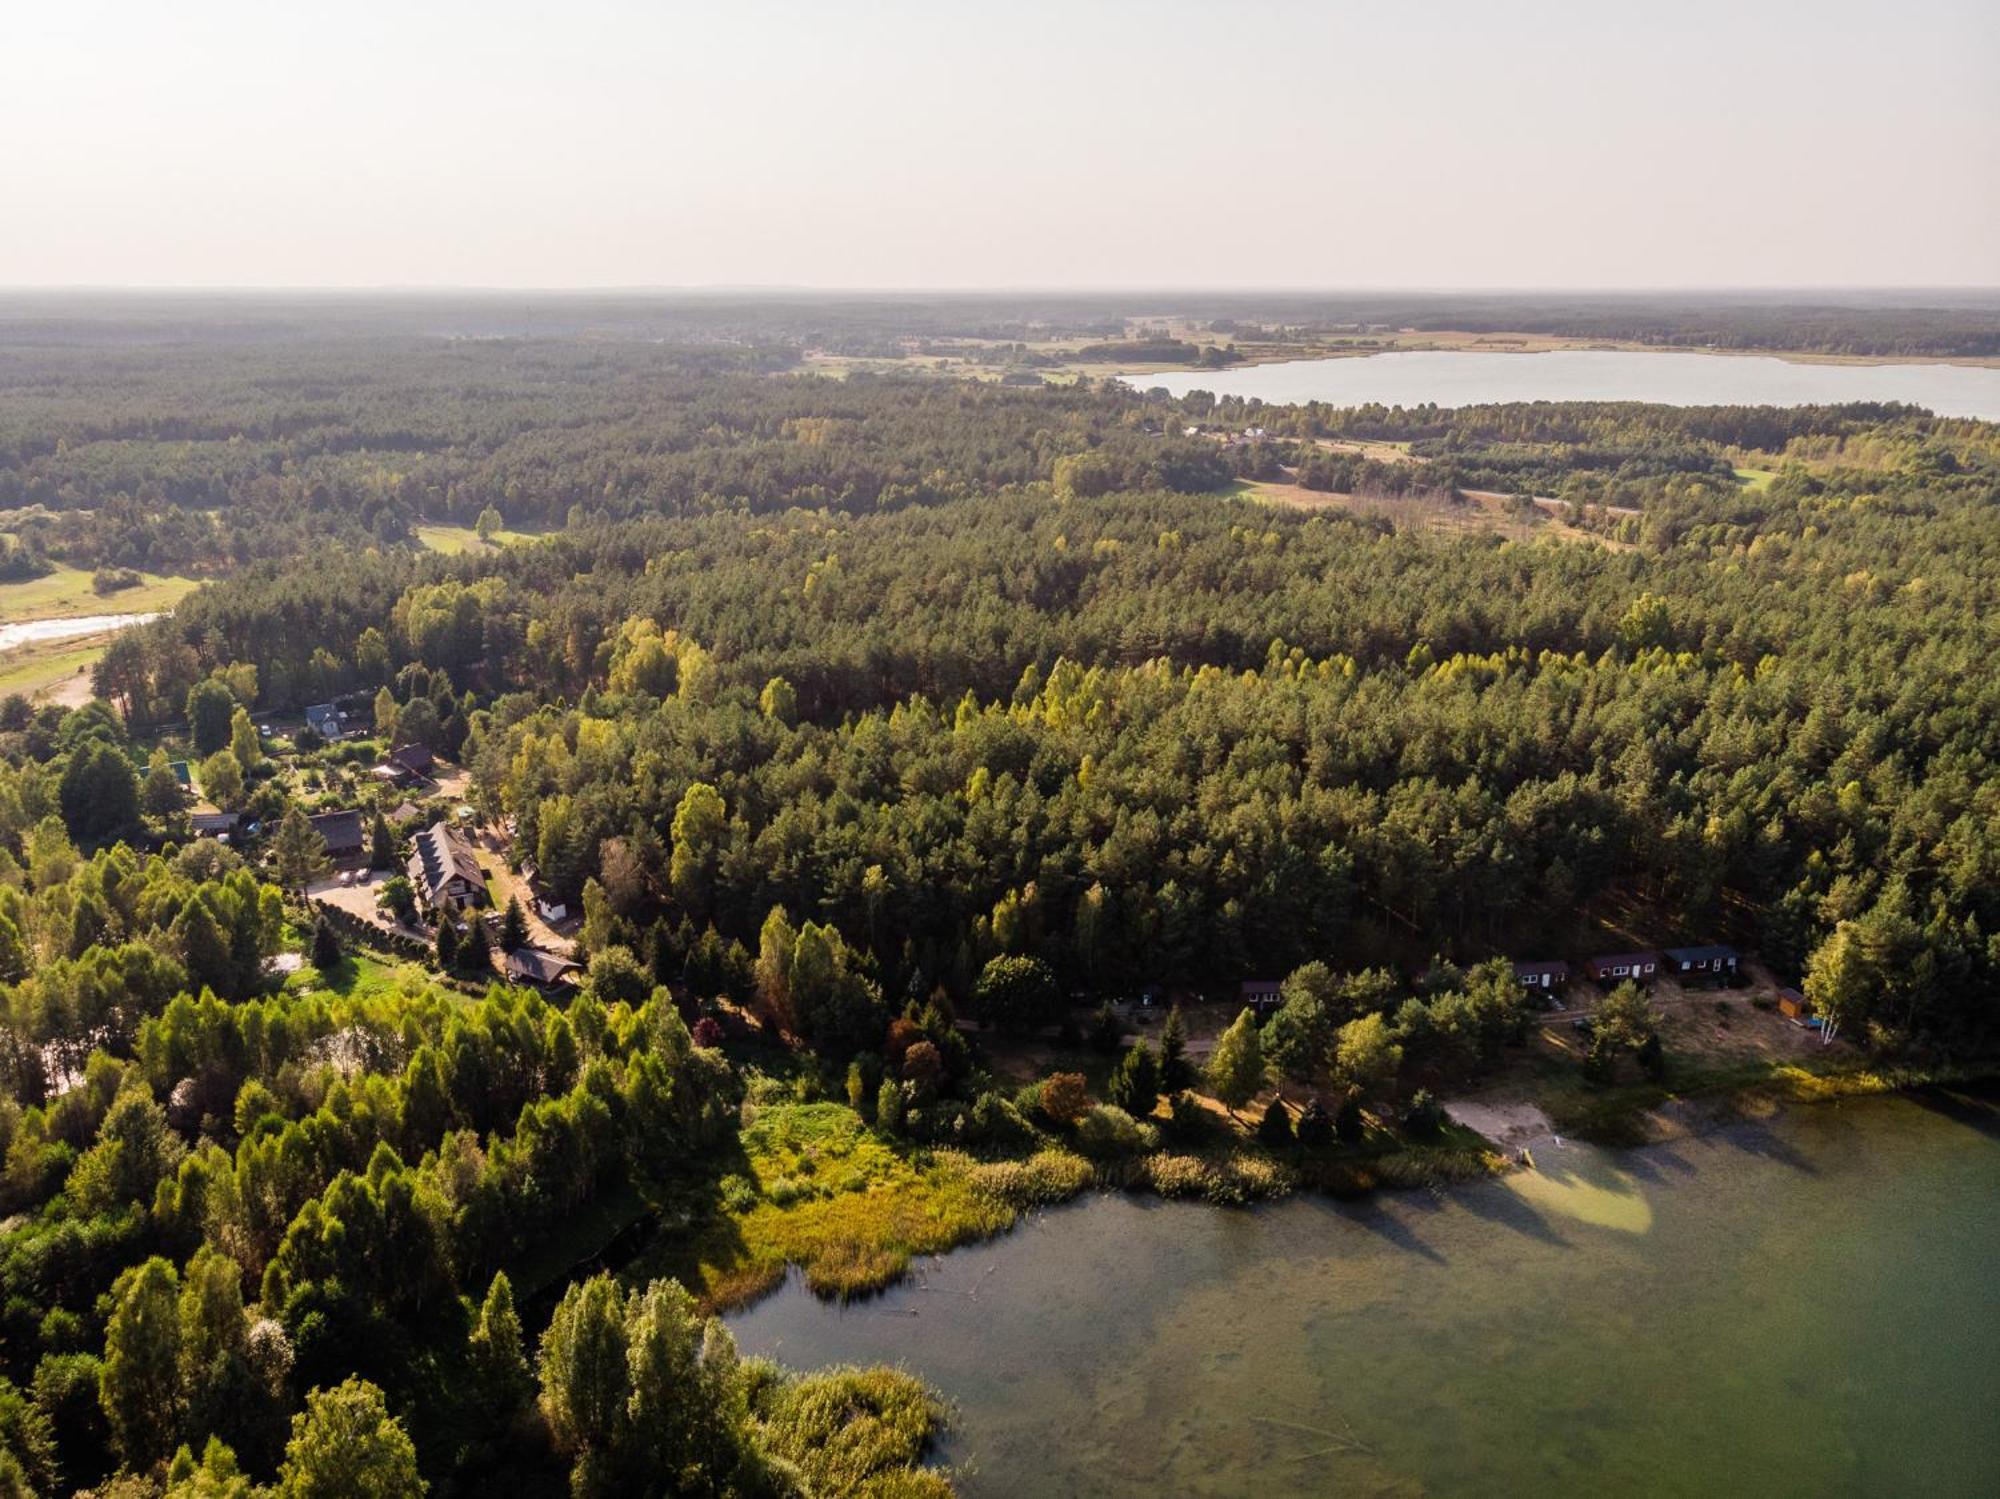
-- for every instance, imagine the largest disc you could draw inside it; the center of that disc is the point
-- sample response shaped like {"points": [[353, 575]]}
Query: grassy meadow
{"points": [[66, 593]]}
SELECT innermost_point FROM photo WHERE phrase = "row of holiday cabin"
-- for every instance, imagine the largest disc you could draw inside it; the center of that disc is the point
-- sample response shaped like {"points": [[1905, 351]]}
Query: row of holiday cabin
{"points": [[1714, 961]]}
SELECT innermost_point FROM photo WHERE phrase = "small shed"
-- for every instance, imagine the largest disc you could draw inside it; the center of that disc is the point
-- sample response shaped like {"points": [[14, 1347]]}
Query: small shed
{"points": [[1793, 1005], [180, 772], [1614, 966], [1544, 975]]}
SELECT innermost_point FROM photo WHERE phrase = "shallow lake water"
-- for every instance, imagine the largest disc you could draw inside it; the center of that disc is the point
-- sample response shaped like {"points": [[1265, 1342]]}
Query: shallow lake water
{"points": [[1670, 378], [1806, 1307], [29, 631]]}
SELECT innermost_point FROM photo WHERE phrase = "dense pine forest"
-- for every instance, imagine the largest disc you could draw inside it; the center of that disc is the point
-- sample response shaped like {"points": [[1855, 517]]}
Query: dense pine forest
{"points": [[868, 727]]}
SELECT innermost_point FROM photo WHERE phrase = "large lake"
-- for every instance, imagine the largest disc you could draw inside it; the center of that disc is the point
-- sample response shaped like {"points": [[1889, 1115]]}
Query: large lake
{"points": [[1669, 378], [1805, 1308]]}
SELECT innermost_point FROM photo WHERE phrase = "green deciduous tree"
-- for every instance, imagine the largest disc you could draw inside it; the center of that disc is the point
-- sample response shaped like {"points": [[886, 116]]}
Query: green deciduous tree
{"points": [[1018, 994], [298, 852], [140, 1384], [1367, 1056], [243, 741], [210, 706], [346, 1445], [1236, 1067]]}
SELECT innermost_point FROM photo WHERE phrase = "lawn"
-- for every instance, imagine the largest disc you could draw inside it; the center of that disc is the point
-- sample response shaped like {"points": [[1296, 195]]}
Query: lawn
{"points": [[1756, 478], [453, 540], [66, 593], [361, 975]]}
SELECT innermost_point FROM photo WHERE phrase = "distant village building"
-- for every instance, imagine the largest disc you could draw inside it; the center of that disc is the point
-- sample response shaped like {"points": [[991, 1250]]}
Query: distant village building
{"points": [[345, 837], [1543, 977], [1611, 967], [444, 870], [326, 721], [214, 824]]}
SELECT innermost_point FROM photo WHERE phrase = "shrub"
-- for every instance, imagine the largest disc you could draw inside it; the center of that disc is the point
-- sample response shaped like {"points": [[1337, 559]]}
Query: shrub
{"points": [[1179, 1175], [1188, 1119], [1105, 1130], [1652, 1058], [1105, 1034], [939, 1122], [1424, 1118], [1064, 1097], [707, 1032], [889, 1106], [996, 1121]]}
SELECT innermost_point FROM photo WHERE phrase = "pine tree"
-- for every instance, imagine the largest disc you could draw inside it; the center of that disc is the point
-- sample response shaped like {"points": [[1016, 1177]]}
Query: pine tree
{"points": [[513, 926], [326, 952], [447, 942], [1104, 1032], [1348, 1123], [381, 844], [1135, 1085], [1175, 1073], [1275, 1128], [475, 952], [495, 1346]]}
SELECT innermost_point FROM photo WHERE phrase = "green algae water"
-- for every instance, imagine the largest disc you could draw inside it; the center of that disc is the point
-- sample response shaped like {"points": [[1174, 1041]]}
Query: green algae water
{"points": [[1805, 1307]]}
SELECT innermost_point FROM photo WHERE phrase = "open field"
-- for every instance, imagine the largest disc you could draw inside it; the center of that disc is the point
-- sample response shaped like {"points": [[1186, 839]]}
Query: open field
{"points": [[66, 593], [1478, 512], [453, 540], [55, 669]]}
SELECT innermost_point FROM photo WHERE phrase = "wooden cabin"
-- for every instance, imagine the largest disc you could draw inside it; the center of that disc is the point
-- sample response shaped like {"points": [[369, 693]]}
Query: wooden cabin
{"points": [[1615, 967]]}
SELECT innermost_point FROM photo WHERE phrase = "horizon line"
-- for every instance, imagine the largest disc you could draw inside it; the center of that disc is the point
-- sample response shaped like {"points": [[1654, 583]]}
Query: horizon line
{"points": [[665, 289]]}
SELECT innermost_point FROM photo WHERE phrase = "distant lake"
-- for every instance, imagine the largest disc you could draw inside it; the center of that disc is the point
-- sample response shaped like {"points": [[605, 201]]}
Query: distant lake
{"points": [[1671, 379], [1806, 1307]]}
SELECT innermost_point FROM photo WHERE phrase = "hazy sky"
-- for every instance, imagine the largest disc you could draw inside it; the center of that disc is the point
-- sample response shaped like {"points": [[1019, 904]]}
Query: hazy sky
{"points": [[1076, 143]]}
